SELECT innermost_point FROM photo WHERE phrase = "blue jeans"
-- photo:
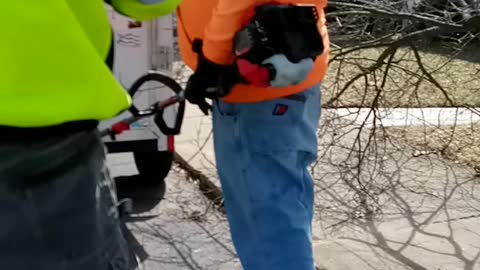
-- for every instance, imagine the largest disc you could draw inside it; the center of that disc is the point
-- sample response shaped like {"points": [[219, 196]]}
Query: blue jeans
{"points": [[262, 152]]}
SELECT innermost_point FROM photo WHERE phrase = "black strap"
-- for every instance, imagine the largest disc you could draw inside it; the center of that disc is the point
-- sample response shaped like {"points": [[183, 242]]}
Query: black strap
{"points": [[111, 53]]}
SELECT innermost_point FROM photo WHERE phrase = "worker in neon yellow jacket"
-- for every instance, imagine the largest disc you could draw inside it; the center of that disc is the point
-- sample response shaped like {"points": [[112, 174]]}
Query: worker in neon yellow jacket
{"points": [[57, 206]]}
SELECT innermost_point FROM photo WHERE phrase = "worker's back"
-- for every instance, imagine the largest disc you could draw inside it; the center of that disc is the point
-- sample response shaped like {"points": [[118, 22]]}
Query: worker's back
{"points": [[52, 63], [194, 18], [59, 203]]}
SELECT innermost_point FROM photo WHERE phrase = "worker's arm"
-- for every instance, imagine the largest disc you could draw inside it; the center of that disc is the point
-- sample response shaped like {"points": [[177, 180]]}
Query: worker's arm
{"points": [[215, 73], [144, 9], [226, 20]]}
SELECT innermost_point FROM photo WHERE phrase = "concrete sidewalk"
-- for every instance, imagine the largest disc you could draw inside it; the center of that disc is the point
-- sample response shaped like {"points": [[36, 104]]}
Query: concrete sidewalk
{"points": [[401, 212], [195, 143], [401, 117], [180, 232], [418, 213]]}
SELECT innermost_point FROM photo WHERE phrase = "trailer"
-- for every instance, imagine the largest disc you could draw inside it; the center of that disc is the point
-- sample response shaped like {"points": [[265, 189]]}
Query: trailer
{"points": [[140, 48]]}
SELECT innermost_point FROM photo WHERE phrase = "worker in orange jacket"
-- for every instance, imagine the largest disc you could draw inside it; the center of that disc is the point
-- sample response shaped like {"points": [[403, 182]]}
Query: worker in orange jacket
{"points": [[264, 135]]}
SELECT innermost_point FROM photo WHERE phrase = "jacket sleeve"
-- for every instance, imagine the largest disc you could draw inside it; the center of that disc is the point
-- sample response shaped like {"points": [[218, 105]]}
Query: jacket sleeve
{"points": [[145, 9], [226, 20]]}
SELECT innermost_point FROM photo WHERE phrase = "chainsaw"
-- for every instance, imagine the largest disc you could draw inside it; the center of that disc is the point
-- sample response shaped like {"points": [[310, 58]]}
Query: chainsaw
{"points": [[287, 32]]}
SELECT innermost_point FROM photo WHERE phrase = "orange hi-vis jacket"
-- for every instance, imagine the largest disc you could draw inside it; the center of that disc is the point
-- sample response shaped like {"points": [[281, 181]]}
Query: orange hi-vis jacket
{"points": [[217, 21]]}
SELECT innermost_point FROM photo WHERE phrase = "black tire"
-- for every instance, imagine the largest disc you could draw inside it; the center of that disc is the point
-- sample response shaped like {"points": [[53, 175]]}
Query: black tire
{"points": [[153, 166]]}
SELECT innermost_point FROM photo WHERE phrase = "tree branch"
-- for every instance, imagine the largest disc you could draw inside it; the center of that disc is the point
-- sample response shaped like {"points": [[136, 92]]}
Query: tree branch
{"points": [[469, 25]]}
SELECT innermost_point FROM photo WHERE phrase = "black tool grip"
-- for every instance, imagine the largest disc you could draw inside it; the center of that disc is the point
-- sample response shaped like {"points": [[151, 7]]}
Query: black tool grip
{"points": [[158, 118]]}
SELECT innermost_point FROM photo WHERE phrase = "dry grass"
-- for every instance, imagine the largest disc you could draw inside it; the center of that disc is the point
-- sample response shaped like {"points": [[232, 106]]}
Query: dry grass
{"points": [[404, 85], [459, 143], [456, 83]]}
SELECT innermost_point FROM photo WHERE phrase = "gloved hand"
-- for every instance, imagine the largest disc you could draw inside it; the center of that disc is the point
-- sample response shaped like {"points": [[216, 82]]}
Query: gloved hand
{"points": [[210, 80]]}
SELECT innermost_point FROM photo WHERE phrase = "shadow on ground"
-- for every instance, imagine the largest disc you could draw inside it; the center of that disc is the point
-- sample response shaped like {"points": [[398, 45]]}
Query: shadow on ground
{"points": [[382, 207], [173, 226], [145, 196]]}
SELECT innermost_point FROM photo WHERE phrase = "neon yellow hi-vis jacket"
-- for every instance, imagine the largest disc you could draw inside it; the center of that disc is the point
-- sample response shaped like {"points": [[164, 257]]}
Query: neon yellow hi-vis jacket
{"points": [[52, 60]]}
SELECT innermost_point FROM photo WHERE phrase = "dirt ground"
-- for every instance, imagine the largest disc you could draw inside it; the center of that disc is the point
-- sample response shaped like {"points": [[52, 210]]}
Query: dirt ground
{"points": [[456, 83], [454, 79], [460, 143]]}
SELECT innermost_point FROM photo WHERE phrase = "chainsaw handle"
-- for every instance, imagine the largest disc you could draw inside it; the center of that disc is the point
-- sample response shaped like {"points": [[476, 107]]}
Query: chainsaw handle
{"points": [[158, 111]]}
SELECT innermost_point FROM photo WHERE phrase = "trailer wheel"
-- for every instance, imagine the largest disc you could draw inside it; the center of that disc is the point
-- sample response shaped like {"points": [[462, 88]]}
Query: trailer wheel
{"points": [[153, 166]]}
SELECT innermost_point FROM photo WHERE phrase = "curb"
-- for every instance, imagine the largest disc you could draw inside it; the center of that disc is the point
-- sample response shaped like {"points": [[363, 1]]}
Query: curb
{"points": [[206, 186]]}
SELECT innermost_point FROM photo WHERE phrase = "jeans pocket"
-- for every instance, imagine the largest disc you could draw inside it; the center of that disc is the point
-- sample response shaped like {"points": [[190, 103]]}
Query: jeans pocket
{"points": [[272, 127], [224, 109], [109, 254]]}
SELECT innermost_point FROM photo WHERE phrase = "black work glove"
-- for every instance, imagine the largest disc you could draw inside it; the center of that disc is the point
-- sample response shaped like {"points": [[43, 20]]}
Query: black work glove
{"points": [[210, 80]]}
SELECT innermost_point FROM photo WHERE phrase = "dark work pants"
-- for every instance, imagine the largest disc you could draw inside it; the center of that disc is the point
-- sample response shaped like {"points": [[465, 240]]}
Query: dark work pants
{"points": [[57, 206]]}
